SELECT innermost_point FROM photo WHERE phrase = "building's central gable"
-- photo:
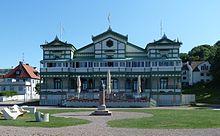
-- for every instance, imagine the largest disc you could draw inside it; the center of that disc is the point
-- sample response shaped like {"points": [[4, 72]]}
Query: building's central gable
{"points": [[110, 48], [109, 45]]}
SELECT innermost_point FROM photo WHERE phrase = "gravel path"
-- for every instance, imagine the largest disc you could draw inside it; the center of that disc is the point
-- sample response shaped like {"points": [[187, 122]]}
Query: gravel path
{"points": [[98, 127]]}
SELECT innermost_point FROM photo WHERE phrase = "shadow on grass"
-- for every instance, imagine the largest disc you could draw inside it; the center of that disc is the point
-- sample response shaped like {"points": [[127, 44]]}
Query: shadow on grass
{"points": [[31, 121]]}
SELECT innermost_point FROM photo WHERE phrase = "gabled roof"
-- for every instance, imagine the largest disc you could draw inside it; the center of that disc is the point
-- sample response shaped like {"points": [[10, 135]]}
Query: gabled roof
{"points": [[165, 41], [195, 64], [23, 71], [184, 67], [57, 43], [87, 46], [109, 31]]}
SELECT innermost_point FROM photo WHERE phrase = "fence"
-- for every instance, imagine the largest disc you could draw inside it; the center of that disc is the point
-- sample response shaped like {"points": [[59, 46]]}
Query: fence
{"points": [[188, 99]]}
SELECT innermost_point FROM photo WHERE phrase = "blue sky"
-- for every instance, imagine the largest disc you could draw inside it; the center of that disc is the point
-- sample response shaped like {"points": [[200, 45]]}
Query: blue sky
{"points": [[26, 24]]}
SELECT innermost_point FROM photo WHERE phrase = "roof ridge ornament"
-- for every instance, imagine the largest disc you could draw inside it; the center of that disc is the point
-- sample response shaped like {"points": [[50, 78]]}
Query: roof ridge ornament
{"points": [[109, 28], [56, 38], [164, 36]]}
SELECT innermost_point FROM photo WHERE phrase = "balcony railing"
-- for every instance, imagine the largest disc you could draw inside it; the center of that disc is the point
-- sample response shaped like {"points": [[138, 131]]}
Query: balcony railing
{"points": [[113, 69]]}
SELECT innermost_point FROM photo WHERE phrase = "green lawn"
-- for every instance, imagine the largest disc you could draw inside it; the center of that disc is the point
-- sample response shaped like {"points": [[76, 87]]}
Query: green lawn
{"points": [[201, 118], [28, 120], [171, 119]]}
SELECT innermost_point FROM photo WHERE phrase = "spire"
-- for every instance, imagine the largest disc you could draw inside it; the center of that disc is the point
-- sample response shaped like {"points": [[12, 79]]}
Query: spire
{"points": [[56, 38], [109, 28], [164, 36]]}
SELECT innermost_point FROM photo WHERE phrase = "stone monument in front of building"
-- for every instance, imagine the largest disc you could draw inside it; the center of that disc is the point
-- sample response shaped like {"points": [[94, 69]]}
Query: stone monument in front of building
{"points": [[101, 111]]}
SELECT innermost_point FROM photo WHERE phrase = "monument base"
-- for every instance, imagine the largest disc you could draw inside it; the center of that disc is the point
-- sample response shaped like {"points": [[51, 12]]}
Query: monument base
{"points": [[101, 111]]}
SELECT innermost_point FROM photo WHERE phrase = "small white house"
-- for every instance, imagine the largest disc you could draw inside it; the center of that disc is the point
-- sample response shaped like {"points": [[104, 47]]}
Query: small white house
{"points": [[23, 80], [196, 71]]}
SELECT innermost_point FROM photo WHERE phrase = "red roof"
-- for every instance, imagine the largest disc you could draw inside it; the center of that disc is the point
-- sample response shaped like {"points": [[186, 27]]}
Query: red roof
{"points": [[23, 71]]}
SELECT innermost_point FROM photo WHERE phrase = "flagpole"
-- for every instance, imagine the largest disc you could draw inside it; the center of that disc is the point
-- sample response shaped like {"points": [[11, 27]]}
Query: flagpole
{"points": [[60, 31], [109, 20]]}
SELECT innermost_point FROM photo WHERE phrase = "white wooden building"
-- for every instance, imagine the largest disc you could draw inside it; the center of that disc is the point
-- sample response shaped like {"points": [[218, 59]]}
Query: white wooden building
{"points": [[22, 79], [196, 71], [158, 64]]}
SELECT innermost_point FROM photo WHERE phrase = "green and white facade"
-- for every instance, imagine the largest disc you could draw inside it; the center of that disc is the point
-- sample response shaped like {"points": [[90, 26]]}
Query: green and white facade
{"points": [[158, 65]]}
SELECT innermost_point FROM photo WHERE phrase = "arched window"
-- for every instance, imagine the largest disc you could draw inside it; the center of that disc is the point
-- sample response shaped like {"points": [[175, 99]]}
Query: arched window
{"points": [[57, 83]]}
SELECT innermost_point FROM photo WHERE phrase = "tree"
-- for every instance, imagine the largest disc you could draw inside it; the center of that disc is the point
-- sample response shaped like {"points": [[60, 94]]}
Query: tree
{"points": [[37, 88], [215, 67], [202, 52], [184, 57]]}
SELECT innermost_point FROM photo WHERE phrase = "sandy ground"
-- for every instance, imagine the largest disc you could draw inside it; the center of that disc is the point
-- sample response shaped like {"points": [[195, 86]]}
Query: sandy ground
{"points": [[98, 127]]}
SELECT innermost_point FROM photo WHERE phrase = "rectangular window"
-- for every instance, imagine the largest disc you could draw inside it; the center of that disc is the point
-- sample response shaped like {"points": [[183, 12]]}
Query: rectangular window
{"points": [[154, 63], [134, 64], [171, 63], [178, 63], [46, 52], [83, 64], [3, 88], [58, 64], [84, 85], [202, 74], [128, 84], [122, 64], [175, 51], [184, 72], [152, 55], [202, 67], [90, 64], [115, 84], [20, 88], [96, 64], [163, 83], [128, 64], [11, 88], [67, 56], [46, 56], [147, 64], [135, 85], [142, 64], [73, 64], [77, 64], [103, 64], [152, 51], [115, 64]]}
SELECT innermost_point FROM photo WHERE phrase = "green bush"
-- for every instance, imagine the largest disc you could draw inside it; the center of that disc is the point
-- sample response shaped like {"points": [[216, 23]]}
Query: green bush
{"points": [[8, 93]]}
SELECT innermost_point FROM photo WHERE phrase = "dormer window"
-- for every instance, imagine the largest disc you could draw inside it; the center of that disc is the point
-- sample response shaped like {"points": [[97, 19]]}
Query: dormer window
{"points": [[109, 43]]}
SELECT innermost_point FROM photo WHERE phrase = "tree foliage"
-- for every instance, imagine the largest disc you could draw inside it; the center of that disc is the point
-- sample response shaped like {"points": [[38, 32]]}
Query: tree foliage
{"points": [[202, 52], [184, 57], [215, 68]]}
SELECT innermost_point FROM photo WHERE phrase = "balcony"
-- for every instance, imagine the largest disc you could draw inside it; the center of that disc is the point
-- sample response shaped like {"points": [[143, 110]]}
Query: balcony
{"points": [[112, 69]]}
